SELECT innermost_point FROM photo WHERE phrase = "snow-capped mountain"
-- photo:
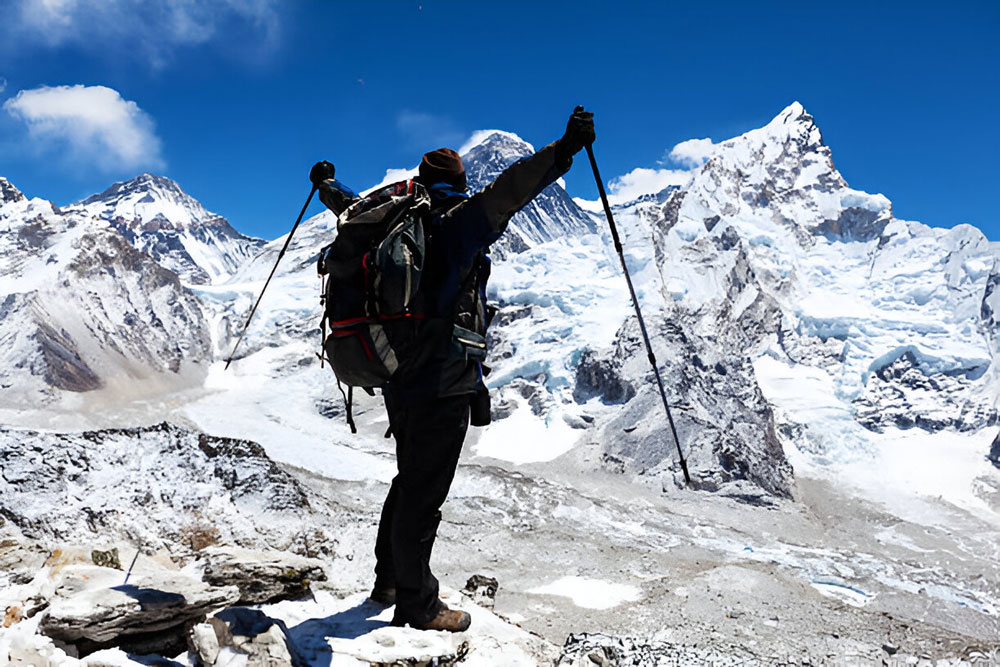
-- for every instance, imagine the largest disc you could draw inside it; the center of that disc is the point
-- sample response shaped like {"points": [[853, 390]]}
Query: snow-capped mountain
{"points": [[790, 313], [830, 368], [160, 219], [855, 322], [894, 311], [82, 310]]}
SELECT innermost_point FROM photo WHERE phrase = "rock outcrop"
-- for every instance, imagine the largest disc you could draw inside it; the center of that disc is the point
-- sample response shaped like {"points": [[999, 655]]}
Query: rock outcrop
{"points": [[191, 489], [261, 576]]}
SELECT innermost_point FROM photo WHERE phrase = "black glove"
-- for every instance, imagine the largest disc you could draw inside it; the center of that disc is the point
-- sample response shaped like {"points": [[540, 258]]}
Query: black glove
{"points": [[579, 132], [320, 172]]}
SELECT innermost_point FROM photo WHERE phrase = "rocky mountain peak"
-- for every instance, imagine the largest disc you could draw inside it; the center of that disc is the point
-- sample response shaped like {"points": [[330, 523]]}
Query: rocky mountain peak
{"points": [[489, 152], [793, 114], [143, 182], [157, 217], [791, 137], [9, 193], [499, 141], [552, 214], [147, 198]]}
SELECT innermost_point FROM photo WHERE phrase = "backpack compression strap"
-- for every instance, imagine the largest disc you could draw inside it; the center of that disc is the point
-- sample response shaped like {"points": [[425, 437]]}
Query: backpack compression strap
{"points": [[348, 400]]}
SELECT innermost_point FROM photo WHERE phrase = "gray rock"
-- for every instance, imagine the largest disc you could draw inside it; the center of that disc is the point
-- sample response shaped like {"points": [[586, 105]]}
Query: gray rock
{"points": [[601, 376], [20, 559], [107, 558], [261, 576], [903, 394], [262, 639], [92, 609], [482, 590], [599, 650]]}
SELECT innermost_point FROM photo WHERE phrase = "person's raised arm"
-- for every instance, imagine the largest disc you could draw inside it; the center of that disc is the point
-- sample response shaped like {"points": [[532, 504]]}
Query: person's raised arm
{"points": [[334, 194], [480, 220]]}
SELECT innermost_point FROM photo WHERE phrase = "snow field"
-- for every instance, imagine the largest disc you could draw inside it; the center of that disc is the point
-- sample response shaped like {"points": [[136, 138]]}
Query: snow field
{"points": [[589, 593]]}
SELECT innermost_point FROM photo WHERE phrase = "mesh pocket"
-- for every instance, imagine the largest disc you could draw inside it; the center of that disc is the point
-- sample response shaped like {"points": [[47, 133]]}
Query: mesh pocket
{"points": [[355, 358]]}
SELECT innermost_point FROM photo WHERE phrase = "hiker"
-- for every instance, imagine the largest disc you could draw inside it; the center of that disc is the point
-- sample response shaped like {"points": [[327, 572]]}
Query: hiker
{"points": [[436, 392]]}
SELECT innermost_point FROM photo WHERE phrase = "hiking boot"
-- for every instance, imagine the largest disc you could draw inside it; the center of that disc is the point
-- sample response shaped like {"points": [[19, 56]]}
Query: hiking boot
{"points": [[383, 595], [449, 620]]}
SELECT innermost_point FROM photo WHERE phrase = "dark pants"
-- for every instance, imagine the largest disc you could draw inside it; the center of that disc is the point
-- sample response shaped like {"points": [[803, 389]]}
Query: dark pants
{"points": [[429, 437]]}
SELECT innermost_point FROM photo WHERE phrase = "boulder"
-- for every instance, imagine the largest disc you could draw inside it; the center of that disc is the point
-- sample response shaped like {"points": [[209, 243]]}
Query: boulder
{"points": [[93, 609], [251, 632], [482, 590], [261, 576]]}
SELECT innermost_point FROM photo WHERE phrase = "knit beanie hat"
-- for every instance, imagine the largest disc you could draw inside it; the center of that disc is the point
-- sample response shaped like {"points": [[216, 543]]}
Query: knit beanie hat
{"points": [[442, 166]]}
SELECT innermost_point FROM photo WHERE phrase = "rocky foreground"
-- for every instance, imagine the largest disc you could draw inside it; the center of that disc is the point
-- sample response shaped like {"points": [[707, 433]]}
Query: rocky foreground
{"points": [[227, 606], [162, 545], [156, 545]]}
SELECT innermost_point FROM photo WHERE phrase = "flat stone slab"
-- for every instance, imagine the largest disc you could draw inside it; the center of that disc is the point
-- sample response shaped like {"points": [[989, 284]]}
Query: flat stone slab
{"points": [[93, 604]]}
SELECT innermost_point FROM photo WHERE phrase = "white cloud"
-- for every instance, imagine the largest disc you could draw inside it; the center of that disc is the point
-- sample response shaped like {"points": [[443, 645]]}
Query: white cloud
{"points": [[427, 131], [691, 153], [642, 181], [150, 29], [88, 125]]}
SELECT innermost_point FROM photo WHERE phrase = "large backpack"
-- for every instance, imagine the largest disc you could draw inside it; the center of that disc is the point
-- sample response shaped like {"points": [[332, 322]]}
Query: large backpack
{"points": [[373, 270]]}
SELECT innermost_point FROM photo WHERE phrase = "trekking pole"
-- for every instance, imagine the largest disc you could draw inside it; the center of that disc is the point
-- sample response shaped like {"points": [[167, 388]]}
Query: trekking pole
{"points": [[267, 282], [638, 313]]}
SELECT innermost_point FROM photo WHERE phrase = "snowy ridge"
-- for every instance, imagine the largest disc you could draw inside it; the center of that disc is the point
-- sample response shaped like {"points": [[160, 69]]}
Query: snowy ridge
{"points": [[184, 481], [9, 193], [159, 218]]}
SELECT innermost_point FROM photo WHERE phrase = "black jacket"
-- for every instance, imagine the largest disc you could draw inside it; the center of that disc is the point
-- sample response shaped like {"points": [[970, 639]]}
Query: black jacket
{"points": [[455, 273]]}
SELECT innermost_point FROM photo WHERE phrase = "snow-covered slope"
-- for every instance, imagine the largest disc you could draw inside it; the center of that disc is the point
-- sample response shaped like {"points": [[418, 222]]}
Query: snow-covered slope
{"points": [[864, 322], [81, 310], [160, 219], [184, 482]]}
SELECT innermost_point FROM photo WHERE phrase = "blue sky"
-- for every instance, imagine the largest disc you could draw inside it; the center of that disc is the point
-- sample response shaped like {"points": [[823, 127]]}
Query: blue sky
{"points": [[236, 99]]}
